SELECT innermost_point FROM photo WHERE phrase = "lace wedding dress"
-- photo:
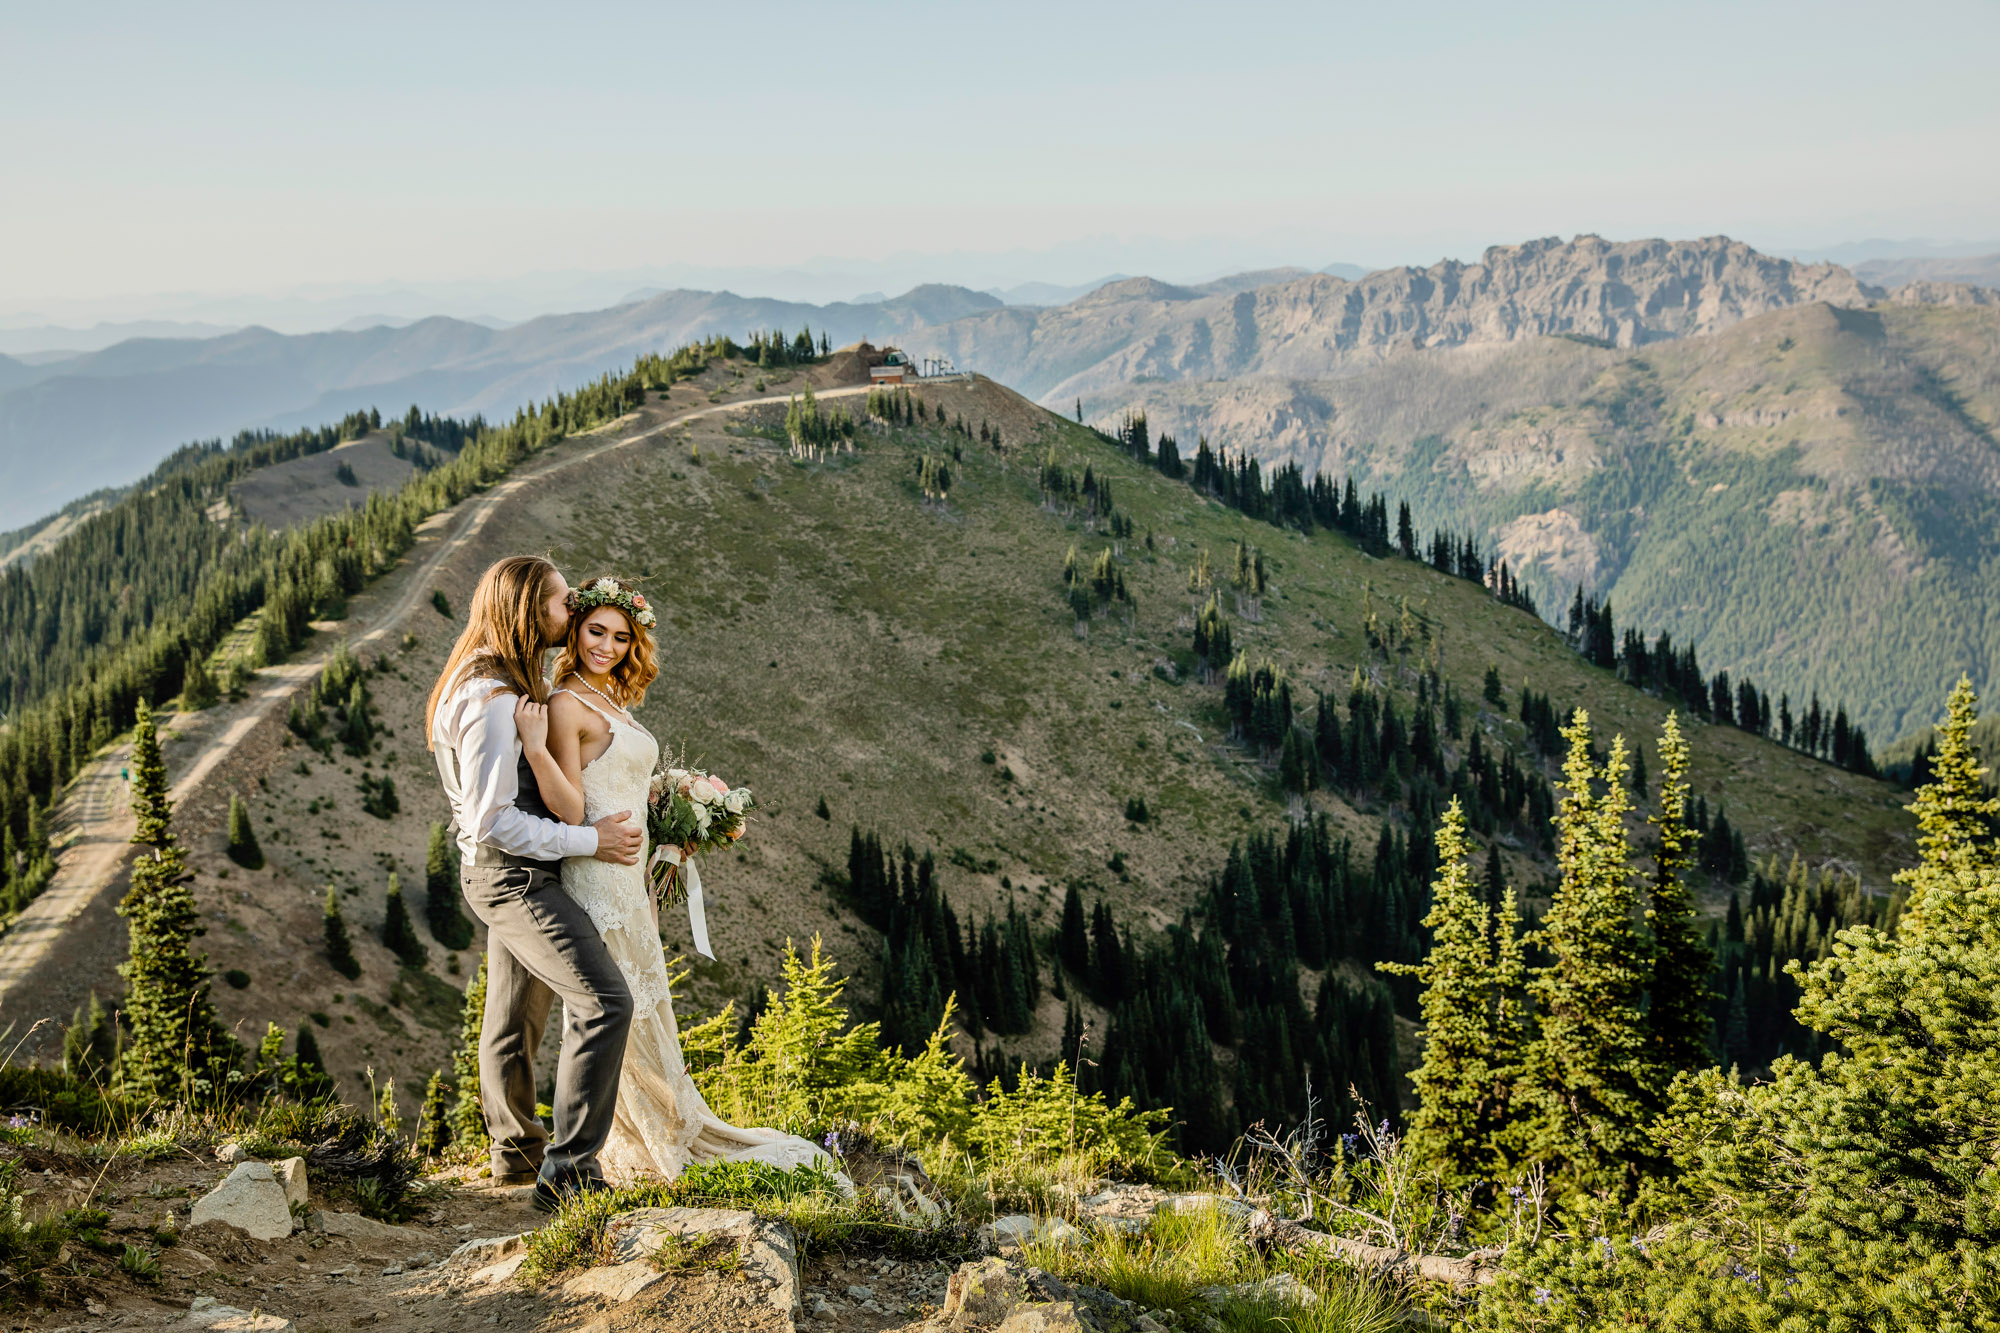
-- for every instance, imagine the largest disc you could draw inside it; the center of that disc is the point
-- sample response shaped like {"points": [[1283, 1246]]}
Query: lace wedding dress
{"points": [[662, 1122]]}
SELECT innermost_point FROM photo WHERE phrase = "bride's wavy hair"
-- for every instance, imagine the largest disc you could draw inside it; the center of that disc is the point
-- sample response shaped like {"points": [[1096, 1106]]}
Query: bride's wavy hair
{"points": [[502, 638], [635, 671]]}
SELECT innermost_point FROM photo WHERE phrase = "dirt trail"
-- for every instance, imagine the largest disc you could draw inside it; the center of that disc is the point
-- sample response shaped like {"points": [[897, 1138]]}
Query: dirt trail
{"points": [[93, 826]]}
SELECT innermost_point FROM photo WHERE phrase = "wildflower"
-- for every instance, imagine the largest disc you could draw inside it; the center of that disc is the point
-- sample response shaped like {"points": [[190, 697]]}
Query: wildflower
{"points": [[1610, 1253], [1542, 1296], [1640, 1245], [832, 1141]]}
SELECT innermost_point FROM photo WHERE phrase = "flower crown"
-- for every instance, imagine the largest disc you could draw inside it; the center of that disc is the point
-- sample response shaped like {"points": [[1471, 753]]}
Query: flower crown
{"points": [[609, 592]]}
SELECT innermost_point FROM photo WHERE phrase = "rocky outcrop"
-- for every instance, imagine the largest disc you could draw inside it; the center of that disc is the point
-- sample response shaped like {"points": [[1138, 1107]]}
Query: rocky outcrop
{"points": [[1613, 293]]}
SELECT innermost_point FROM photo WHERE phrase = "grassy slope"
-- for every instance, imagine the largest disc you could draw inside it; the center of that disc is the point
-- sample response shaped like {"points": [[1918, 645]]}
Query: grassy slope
{"points": [[1810, 496], [827, 634]]}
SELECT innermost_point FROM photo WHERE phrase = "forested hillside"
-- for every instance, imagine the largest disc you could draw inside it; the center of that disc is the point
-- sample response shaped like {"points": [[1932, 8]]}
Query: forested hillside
{"points": [[1808, 497]]}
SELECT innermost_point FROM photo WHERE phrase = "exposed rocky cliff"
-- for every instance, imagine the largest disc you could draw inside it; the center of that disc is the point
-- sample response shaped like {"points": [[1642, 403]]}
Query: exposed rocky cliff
{"points": [[1621, 294]]}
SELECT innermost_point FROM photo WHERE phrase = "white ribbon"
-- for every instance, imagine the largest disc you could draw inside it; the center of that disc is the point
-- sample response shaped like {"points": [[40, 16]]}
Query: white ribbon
{"points": [[697, 915], [697, 918]]}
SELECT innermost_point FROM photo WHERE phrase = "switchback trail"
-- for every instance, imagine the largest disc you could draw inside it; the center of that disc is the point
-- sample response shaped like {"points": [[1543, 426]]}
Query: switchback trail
{"points": [[93, 826]]}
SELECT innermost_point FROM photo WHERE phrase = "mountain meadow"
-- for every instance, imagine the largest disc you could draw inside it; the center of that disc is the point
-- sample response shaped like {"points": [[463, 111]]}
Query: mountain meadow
{"points": [[1227, 824]]}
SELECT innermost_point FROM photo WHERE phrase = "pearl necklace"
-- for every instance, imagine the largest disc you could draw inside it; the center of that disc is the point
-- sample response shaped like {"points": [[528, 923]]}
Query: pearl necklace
{"points": [[623, 716]]}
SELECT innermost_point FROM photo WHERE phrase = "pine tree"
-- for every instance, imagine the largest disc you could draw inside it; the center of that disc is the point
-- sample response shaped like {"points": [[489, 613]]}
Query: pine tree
{"points": [[1585, 1072], [1955, 815], [314, 1082], [1677, 1015], [1453, 1125], [339, 948], [91, 1043], [448, 925], [1872, 1171], [397, 932], [468, 1121], [434, 1118], [198, 689], [178, 1047], [243, 848], [1073, 940]]}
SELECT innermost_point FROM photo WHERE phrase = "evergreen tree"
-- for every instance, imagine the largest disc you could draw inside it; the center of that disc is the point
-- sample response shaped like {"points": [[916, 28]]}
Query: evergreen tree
{"points": [[1955, 814], [1453, 1125], [397, 932], [1677, 1015], [468, 1120], [434, 1118], [314, 1083], [243, 848], [91, 1043], [1872, 1173], [198, 689], [339, 948], [178, 1047], [448, 925], [1073, 940], [1585, 1072]]}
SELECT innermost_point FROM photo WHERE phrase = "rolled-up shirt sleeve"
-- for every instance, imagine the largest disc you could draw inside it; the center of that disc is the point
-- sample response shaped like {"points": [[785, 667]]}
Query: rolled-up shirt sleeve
{"points": [[488, 748]]}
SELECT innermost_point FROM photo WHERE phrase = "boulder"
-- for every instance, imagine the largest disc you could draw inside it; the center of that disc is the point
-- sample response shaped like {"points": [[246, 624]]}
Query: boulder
{"points": [[251, 1199], [770, 1253], [291, 1174], [983, 1293]]}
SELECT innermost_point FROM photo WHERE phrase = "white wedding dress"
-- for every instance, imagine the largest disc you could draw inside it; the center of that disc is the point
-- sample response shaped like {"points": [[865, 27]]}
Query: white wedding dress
{"points": [[662, 1122]]}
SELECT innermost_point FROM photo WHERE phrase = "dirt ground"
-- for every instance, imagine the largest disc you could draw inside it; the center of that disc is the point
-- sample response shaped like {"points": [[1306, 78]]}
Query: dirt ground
{"points": [[403, 1279]]}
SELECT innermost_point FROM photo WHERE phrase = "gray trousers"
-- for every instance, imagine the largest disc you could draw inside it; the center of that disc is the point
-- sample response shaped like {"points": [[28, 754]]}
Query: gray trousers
{"points": [[540, 947]]}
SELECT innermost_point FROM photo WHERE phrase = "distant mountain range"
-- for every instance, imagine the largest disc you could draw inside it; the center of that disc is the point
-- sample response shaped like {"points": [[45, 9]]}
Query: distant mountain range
{"points": [[1794, 466]]}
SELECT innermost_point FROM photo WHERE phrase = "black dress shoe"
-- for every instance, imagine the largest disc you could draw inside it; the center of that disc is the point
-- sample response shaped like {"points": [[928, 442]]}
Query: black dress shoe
{"points": [[551, 1195]]}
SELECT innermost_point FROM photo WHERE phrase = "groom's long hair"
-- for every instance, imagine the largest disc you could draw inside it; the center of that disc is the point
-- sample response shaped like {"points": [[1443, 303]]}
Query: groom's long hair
{"points": [[503, 633]]}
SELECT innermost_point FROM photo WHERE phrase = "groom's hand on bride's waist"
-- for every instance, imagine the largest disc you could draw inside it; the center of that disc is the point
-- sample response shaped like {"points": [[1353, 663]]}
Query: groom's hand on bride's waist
{"points": [[619, 839]]}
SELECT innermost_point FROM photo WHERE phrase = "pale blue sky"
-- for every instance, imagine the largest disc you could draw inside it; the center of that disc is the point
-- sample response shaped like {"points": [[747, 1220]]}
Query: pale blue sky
{"points": [[263, 148]]}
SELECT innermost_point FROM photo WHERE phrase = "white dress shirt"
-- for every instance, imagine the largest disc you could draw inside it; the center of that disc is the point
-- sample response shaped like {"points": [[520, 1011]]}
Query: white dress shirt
{"points": [[478, 753]]}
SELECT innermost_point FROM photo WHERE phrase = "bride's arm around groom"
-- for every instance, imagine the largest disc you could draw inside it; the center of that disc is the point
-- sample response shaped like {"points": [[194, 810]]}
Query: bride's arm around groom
{"points": [[540, 945]]}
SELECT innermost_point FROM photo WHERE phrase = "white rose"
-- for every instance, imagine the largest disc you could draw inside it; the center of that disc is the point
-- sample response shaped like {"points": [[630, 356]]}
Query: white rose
{"points": [[677, 774], [703, 791], [702, 819], [735, 801]]}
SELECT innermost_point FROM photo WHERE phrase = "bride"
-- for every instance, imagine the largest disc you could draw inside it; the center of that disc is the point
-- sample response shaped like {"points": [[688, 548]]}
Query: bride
{"points": [[592, 758]]}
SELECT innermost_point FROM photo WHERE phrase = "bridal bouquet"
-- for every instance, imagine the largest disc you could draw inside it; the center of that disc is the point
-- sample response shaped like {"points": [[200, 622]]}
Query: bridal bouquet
{"points": [[690, 813]]}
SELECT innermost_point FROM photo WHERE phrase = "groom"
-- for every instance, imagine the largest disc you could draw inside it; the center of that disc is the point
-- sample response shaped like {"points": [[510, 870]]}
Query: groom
{"points": [[540, 945]]}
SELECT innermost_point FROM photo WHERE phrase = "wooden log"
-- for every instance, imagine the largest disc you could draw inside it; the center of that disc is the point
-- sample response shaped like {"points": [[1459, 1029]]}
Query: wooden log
{"points": [[1474, 1270]]}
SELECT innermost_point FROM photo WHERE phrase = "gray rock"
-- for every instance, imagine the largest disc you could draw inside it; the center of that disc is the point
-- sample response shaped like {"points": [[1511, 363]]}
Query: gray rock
{"points": [[366, 1230], [496, 1273], [489, 1250], [249, 1199], [208, 1313], [291, 1174], [229, 1154], [860, 1293], [1277, 1289], [1020, 1229], [619, 1282], [770, 1253]]}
